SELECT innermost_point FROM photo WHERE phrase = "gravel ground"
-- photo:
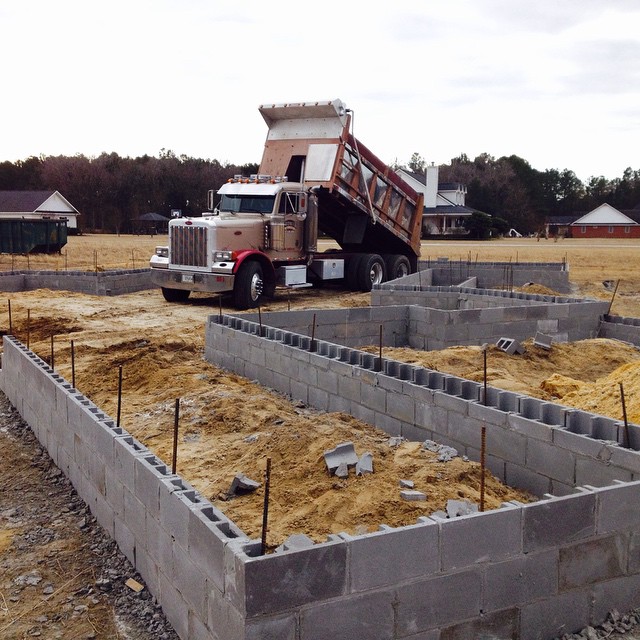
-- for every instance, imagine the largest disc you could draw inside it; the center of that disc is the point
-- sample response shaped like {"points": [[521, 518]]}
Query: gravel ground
{"points": [[61, 575]]}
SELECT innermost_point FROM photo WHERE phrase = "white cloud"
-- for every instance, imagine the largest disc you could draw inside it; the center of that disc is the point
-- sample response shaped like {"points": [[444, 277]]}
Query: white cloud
{"points": [[554, 82]]}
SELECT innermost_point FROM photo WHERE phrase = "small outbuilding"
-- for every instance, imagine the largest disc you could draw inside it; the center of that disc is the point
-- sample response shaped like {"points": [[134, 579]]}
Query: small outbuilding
{"points": [[38, 205], [605, 221]]}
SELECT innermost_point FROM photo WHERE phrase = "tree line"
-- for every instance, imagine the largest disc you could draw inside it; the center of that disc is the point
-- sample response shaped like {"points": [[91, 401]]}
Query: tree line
{"points": [[510, 189], [111, 191]]}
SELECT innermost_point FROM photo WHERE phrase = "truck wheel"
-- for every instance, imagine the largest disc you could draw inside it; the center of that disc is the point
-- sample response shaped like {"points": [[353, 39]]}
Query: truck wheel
{"points": [[249, 285], [370, 271], [351, 268], [398, 266], [175, 295]]}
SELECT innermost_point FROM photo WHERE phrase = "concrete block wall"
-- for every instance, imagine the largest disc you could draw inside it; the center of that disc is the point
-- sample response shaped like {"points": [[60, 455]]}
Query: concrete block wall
{"points": [[534, 571], [539, 446], [100, 283], [554, 275], [531, 571], [621, 328], [173, 536], [425, 327]]}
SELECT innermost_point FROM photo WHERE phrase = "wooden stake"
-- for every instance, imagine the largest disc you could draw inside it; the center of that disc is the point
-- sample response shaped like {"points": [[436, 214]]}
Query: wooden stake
{"points": [[10, 322], [28, 327], [176, 421], [624, 416], [265, 510], [613, 297]]}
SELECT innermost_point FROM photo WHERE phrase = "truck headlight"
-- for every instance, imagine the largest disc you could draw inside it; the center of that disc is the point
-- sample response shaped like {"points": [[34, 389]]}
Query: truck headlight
{"points": [[222, 256], [162, 252]]}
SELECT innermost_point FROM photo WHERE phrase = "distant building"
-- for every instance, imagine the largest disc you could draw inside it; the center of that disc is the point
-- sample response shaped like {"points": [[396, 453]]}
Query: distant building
{"points": [[605, 221], [444, 203], [38, 205]]}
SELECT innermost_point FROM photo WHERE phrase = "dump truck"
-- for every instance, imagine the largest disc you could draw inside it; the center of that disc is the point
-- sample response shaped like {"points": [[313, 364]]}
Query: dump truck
{"points": [[261, 232]]}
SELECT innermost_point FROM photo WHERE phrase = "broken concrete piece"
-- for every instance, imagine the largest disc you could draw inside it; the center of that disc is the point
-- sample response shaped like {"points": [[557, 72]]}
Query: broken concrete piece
{"points": [[342, 453], [431, 445], [510, 346], [456, 508], [241, 485], [365, 464], [542, 340], [295, 541], [342, 471], [413, 495], [395, 441], [252, 438], [446, 454], [407, 484]]}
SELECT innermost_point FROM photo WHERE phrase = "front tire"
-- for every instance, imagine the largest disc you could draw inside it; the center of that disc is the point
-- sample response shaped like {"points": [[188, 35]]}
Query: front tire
{"points": [[175, 295], [249, 285]]}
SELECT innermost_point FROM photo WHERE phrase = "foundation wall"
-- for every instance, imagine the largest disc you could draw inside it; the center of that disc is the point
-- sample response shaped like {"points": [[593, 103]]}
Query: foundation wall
{"points": [[466, 317], [533, 571], [621, 328], [101, 283], [491, 275]]}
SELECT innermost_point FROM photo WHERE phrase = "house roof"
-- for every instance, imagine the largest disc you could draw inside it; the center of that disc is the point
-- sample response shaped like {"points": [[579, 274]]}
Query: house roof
{"points": [[450, 209], [442, 186], [604, 215], [561, 220], [35, 202]]}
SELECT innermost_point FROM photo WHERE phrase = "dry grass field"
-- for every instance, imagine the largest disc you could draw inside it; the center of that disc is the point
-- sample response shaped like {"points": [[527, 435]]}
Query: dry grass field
{"points": [[229, 424]]}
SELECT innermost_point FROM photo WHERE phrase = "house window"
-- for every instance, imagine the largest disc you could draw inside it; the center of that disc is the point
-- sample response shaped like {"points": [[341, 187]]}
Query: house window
{"points": [[610, 229], [627, 229], [583, 229]]}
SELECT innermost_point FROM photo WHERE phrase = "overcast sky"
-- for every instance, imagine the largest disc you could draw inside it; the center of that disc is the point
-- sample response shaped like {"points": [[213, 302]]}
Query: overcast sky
{"points": [[556, 82]]}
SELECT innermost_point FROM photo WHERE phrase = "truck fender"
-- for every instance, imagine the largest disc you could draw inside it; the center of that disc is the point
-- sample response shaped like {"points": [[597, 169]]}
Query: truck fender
{"points": [[268, 271]]}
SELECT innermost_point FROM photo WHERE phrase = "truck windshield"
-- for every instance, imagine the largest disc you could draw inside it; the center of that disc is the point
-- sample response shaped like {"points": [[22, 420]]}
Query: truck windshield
{"points": [[256, 204]]}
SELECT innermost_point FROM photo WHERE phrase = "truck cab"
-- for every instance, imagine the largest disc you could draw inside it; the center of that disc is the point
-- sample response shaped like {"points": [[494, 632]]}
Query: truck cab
{"points": [[263, 230]]}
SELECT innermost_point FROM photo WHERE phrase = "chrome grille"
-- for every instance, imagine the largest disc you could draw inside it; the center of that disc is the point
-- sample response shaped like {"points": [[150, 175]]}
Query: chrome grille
{"points": [[189, 246]]}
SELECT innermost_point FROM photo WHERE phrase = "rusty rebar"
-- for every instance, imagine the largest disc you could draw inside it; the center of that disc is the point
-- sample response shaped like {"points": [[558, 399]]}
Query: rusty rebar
{"points": [[119, 395], [624, 417], [73, 366], [176, 421], [265, 510], [483, 452]]}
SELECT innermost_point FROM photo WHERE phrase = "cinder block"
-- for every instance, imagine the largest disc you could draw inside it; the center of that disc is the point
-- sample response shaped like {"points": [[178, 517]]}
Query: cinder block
{"points": [[526, 479], [530, 428], [208, 533], [401, 407], [499, 624], [521, 580], [125, 539], [278, 582], [558, 521], [433, 603], [482, 537], [135, 514], [173, 605], [149, 472], [367, 617], [555, 616], [592, 561], [551, 461], [620, 593], [271, 628], [599, 474], [190, 581], [618, 508]]}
